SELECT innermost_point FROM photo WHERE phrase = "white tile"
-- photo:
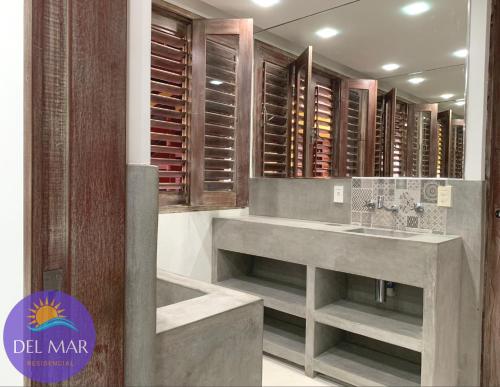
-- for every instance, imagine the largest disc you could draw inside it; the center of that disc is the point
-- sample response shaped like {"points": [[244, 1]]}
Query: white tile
{"points": [[278, 373]]}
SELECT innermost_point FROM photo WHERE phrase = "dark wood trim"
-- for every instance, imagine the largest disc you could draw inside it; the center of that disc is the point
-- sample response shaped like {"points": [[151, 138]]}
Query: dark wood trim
{"points": [[490, 375], [75, 157]]}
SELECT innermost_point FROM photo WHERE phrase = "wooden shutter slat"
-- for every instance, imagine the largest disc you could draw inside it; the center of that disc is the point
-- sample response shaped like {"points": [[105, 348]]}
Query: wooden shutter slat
{"points": [[167, 76], [169, 125], [167, 64], [167, 52], [167, 113], [161, 87], [167, 38]]}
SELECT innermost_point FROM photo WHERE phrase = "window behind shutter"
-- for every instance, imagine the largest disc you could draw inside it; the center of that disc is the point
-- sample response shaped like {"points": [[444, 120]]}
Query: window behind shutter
{"points": [[169, 106], [222, 74]]}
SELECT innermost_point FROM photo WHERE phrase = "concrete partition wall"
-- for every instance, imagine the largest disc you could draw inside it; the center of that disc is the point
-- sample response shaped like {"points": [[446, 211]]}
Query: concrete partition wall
{"points": [[140, 273]]}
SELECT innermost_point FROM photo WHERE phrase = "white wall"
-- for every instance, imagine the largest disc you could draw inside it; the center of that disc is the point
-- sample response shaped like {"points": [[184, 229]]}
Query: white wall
{"points": [[138, 81], [477, 88], [11, 170], [185, 242]]}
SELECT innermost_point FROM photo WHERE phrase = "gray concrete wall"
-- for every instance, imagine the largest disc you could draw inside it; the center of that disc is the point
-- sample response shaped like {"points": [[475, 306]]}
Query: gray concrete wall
{"points": [[309, 199], [466, 218], [140, 274]]}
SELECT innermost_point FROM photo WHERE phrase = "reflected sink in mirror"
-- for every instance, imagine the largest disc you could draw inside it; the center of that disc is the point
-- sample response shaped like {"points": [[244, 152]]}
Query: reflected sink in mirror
{"points": [[387, 233]]}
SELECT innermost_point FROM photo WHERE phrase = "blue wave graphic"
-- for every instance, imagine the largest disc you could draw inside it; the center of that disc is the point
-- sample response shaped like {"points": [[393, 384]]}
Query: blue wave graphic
{"points": [[55, 322]]}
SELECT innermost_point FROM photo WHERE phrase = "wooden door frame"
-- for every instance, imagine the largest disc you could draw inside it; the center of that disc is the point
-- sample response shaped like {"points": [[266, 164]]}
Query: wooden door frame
{"points": [[490, 359], [75, 165]]}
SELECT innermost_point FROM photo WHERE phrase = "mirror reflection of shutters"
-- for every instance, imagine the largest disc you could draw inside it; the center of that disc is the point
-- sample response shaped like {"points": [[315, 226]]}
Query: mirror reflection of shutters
{"points": [[275, 111]]}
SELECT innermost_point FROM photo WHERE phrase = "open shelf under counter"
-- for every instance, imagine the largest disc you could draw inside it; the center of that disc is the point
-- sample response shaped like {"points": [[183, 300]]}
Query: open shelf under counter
{"points": [[276, 295], [361, 366], [381, 324], [284, 340]]}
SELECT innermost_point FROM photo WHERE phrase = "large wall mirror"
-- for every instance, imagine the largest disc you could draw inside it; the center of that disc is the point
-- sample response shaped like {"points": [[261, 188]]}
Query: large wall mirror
{"points": [[379, 89]]}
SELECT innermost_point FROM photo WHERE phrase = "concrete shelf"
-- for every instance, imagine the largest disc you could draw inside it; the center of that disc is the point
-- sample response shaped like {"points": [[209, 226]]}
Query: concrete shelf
{"points": [[276, 295], [385, 325], [361, 366], [284, 340]]}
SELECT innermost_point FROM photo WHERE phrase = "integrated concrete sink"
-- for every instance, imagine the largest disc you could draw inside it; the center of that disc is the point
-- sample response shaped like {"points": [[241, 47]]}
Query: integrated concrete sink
{"points": [[379, 232]]}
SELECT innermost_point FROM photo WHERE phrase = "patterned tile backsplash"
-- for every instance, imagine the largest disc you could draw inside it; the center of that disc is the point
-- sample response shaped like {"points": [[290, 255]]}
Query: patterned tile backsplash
{"points": [[404, 193]]}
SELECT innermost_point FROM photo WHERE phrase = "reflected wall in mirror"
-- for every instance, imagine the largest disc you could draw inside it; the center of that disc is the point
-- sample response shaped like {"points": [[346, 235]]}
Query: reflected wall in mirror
{"points": [[379, 92]]}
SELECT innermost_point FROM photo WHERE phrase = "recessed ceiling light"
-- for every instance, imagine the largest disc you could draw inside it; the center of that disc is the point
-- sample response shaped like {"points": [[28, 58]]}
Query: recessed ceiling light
{"points": [[391, 66], [416, 80], [460, 102], [216, 82], [327, 32], [462, 53], [416, 8], [446, 96], [266, 3]]}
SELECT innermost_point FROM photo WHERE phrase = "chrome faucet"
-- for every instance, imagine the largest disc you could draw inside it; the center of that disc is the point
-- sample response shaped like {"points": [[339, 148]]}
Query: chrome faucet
{"points": [[380, 205]]}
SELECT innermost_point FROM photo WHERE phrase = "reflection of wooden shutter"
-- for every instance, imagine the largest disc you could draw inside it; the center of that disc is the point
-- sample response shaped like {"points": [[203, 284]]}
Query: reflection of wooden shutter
{"points": [[443, 133], [275, 111], [222, 63], [169, 96], [357, 128], [272, 111], [324, 128], [379, 137], [456, 149], [400, 140], [301, 125], [422, 140]]}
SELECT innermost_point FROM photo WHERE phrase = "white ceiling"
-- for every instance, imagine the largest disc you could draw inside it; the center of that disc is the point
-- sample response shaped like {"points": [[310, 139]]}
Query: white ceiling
{"points": [[373, 33]]}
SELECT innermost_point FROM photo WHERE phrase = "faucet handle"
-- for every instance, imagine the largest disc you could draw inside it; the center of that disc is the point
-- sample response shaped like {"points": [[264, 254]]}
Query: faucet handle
{"points": [[419, 208], [370, 204]]}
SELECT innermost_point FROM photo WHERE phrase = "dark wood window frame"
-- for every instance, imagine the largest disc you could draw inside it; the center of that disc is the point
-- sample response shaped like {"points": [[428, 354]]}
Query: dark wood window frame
{"points": [[201, 180]]}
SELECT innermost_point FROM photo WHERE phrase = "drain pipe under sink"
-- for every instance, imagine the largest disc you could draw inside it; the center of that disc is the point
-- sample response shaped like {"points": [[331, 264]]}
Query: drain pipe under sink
{"points": [[380, 295]]}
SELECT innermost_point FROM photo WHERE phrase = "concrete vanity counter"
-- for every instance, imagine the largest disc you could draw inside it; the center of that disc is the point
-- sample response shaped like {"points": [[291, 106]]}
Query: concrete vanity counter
{"points": [[333, 247], [317, 280]]}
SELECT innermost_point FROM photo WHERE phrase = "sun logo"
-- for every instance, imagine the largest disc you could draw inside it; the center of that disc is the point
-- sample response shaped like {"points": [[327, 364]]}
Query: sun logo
{"points": [[47, 315]]}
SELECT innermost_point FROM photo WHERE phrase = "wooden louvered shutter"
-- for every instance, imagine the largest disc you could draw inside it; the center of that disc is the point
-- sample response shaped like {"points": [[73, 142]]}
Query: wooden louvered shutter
{"points": [[169, 106], [221, 105], [302, 117], [400, 140], [385, 144], [357, 128], [443, 133], [422, 140], [272, 104], [456, 149], [324, 127], [275, 118]]}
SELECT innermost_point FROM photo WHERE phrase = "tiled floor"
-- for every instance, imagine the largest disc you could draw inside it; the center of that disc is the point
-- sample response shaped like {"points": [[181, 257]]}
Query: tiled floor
{"points": [[278, 373]]}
